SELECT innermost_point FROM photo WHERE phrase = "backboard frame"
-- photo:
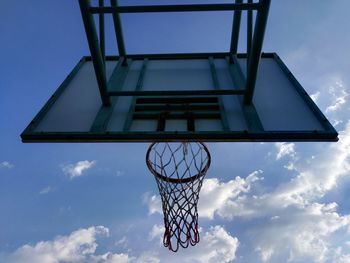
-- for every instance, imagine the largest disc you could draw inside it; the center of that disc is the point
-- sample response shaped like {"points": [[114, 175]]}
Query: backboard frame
{"points": [[253, 134]]}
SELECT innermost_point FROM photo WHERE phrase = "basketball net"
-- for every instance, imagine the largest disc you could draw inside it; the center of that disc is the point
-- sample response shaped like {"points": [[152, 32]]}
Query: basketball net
{"points": [[179, 170]]}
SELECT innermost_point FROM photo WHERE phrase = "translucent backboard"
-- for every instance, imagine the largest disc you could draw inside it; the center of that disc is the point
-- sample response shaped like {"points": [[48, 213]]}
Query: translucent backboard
{"points": [[180, 98]]}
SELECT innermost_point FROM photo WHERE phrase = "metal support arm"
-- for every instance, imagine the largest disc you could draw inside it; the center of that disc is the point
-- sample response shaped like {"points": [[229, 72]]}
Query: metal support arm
{"points": [[235, 29], [255, 54], [95, 50], [118, 30], [175, 8]]}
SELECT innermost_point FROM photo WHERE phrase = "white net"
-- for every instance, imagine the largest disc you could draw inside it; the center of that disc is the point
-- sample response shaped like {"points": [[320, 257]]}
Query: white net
{"points": [[179, 170]]}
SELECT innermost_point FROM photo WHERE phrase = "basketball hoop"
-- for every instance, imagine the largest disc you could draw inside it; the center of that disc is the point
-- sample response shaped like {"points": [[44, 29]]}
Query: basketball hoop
{"points": [[179, 170]]}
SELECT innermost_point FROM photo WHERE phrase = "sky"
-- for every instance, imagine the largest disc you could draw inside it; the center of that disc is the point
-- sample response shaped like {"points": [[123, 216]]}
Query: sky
{"points": [[260, 202]]}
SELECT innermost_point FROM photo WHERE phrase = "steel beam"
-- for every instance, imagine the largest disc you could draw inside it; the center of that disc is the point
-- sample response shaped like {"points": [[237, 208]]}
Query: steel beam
{"points": [[235, 29], [95, 50], [249, 30], [175, 8], [176, 115], [118, 30], [255, 53], [101, 23], [116, 82], [148, 93], [138, 88], [250, 113], [216, 83], [214, 136], [177, 100], [176, 107]]}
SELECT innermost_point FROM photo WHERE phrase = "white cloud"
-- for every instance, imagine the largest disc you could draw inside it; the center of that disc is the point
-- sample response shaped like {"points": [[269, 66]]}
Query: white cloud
{"points": [[336, 122], [301, 233], [45, 190], [121, 242], [153, 202], [110, 258], [315, 96], [338, 94], [265, 253], [343, 258], [157, 231], [301, 227], [79, 246], [321, 174], [77, 169], [6, 164], [215, 197], [146, 257], [216, 245], [290, 166], [285, 149]]}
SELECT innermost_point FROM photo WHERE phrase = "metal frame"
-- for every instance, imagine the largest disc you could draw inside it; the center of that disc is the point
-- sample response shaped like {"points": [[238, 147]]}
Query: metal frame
{"points": [[175, 8], [97, 49], [110, 90]]}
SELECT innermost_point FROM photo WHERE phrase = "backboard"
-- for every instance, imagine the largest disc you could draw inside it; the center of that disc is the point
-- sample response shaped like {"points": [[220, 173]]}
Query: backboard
{"points": [[180, 97], [220, 97]]}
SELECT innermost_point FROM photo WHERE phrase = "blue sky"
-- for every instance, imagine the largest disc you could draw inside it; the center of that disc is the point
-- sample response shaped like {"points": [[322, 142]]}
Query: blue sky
{"points": [[272, 202]]}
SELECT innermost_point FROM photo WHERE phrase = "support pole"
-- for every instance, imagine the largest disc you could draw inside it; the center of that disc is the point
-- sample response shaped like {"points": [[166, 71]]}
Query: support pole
{"points": [[216, 83], [101, 23], [235, 29], [255, 54], [95, 50], [118, 30], [175, 8], [249, 30], [139, 86]]}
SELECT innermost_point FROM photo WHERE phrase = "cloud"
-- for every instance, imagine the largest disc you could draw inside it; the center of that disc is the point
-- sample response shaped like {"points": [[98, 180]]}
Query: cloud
{"points": [[157, 231], [216, 245], [79, 246], [77, 169], [153, 202], [285, 149], [301, 233], [215, 197], [121, 242], [331, 95], [315, 96], [111, 258], [313, 181], [338, 93], [6, 164], [342, 258], [321, 174], [45, 190], [293, 224]]}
